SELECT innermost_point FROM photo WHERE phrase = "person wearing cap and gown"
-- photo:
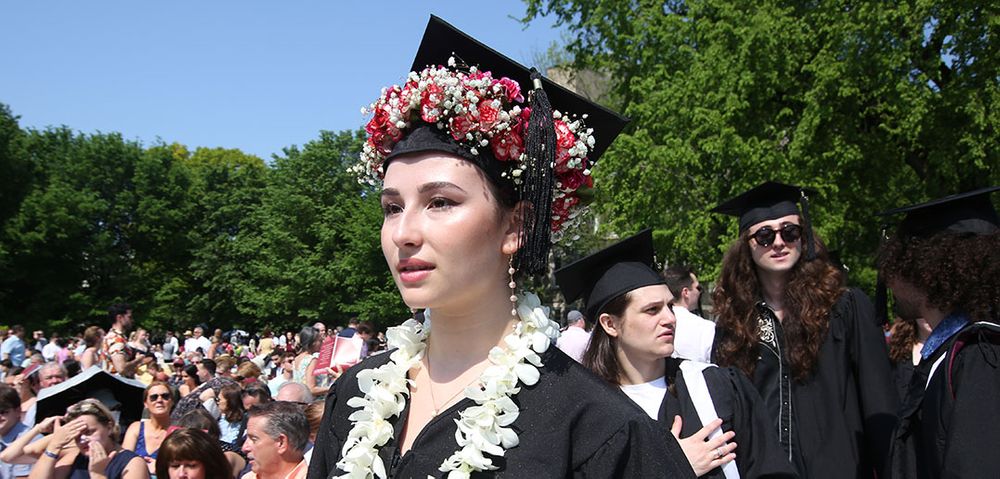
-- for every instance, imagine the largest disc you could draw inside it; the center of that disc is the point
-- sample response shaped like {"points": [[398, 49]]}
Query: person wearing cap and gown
{"points": [[943, 265], [809, 344], [470, 198], [631, 349]]}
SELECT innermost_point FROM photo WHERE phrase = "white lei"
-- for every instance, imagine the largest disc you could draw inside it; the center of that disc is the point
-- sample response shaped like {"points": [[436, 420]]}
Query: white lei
{"points": [[482, 429]]}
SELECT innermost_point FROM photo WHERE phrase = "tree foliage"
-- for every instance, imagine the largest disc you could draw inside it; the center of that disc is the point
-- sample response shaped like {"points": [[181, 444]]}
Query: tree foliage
{"points": [[213, 236], [872, 104]]}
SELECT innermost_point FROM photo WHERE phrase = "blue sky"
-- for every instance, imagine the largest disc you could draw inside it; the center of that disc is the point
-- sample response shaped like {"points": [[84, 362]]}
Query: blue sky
{"points": [[253, 75]]}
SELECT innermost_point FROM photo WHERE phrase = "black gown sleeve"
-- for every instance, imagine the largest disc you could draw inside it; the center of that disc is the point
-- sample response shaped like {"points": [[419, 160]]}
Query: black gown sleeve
{"points": [[869, 359], [971, 441]]}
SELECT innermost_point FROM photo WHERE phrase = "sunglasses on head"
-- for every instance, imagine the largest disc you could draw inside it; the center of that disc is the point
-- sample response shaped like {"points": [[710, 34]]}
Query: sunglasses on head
{"points": [[790, 233], [163, 396]]}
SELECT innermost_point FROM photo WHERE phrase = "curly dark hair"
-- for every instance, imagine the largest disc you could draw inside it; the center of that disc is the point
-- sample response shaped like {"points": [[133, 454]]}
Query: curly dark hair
{"points": [[956, 272], [813, 288], [901, 341]]}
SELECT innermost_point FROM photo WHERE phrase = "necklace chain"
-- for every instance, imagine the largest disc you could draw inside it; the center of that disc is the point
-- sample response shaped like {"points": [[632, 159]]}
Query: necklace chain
{"points": [[430, 388]]}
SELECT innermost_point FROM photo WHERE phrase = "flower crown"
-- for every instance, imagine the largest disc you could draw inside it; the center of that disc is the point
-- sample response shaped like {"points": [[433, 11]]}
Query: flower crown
{"points": [[478, 111]]}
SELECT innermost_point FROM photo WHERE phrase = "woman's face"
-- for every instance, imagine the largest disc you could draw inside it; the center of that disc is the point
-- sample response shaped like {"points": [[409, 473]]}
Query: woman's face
{"points": [[189, 469], [780, 256], [93, 432], [442, 235], [158, 400], [646, 328]]}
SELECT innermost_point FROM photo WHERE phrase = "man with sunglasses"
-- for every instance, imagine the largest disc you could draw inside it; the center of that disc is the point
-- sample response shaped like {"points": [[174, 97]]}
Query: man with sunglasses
{"points": [[694, 335], [809, 343]]}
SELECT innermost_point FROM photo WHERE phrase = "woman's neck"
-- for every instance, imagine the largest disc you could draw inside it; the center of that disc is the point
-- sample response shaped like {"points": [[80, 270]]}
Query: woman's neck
{"points": [[160, 421], [462, 337], [639, 370], [772, 285]]}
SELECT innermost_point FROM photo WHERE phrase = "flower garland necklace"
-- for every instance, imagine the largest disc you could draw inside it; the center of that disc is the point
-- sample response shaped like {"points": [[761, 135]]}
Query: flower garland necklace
{"points": [[482, 429]]}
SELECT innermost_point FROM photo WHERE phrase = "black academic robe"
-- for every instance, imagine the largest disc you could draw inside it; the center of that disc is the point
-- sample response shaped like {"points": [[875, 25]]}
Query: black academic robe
{"points": [[950, 429], [571, 424], [758, 454], [838, 422]]}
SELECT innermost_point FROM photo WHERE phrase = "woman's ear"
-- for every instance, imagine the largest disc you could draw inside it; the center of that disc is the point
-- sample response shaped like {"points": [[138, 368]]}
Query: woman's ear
{"points": [[610, 324], [514, 227]]}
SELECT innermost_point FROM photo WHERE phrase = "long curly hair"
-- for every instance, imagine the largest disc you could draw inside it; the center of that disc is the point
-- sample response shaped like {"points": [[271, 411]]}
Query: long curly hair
{"points": [[956, 272], [901, 341], [812, 289]]}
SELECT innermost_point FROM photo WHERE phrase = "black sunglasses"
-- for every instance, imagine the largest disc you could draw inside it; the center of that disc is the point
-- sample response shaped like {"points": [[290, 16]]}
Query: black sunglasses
{"points": [[154, 397], [790, 233]]}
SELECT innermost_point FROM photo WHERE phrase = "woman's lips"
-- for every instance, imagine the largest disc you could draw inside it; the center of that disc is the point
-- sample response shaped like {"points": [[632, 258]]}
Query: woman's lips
{"points": [[413, 270]]}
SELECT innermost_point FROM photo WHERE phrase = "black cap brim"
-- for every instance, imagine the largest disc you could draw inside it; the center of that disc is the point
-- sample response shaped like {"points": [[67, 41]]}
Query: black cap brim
{"points": [[610, 273], [970, 212], [767, 201]]}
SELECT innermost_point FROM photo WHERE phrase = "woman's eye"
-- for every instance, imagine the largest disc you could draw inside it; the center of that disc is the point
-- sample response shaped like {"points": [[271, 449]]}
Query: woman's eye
{"points": [[440, 202], [390, 209]]}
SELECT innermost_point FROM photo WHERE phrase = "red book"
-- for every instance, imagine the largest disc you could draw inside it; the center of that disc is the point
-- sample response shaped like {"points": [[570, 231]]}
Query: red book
{"points": [[338, 352]]}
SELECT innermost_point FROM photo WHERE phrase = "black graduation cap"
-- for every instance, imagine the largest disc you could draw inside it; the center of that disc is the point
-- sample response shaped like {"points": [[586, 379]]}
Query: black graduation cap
{"points": [[442, 41], [610, 272], [969, 212], [768, 201]]}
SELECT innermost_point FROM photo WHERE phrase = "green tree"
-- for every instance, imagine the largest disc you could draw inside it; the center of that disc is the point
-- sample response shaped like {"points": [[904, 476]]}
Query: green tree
{"points": [[316, 255], [872, 104]]}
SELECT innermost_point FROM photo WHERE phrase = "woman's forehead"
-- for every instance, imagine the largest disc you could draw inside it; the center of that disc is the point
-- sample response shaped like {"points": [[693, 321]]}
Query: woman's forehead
{"points": [[774, 223]]}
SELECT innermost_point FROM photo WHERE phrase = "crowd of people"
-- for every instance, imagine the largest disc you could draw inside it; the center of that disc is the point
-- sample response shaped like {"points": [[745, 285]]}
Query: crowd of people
{"points": [[792, 376], [216, 385]]}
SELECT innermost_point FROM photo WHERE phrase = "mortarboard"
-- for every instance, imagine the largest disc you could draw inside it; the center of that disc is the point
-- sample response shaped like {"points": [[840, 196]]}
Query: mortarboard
{"points": [[609, 273], [552, 174], [768, 201], [969, 212]]}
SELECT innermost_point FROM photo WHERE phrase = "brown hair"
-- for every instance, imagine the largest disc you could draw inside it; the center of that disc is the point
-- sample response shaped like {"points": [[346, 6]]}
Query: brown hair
{"points": [[192, 445], [600, 356], [234, 402], [314, 414], [247, 370], [92, 336], [901, 341], [812, 289], [956, 272], [145, 394]]}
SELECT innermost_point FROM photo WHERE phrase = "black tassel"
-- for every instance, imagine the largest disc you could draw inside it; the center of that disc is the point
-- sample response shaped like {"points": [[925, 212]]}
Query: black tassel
{"points": [[807, 228], [537, 182]]}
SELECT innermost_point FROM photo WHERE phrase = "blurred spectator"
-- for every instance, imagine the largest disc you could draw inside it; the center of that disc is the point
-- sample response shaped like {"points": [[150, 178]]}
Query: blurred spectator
{"points": [[314, 414], [266, 344], [200, 419], [11, 428], [191, 454], [320, 329], [92, 427], [352, 327], [284, 373], [277, 436], [191, 380], [38, 340], [92, 338], [206, 370], [13, 348], [120, 358], [574, 339], [198, 341], [231, 423], [139, 341], [145, 436], [304, 366], [247, 372], [255, 393], [170, 346], [294, 392], [50, 349]]}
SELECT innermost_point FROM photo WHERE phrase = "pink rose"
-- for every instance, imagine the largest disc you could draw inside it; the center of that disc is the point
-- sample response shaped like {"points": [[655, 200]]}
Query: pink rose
{"points": [[487, 115], [508, 146], [511, 89], [430, 103], [460, 126], [564, 136]]}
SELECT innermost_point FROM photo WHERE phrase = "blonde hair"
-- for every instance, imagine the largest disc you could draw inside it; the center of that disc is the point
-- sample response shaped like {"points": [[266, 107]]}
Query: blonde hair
{"points": [[96, 408]]}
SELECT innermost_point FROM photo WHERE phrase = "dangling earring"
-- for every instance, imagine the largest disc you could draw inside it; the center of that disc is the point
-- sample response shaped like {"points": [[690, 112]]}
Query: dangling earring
{"points": [[513, 287]]}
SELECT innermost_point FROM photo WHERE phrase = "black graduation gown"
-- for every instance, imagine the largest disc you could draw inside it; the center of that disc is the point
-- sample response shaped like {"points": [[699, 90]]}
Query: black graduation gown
{"points": [[758, 454], [571, 424], [838, 422], [902, 373], [951, 428]]}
